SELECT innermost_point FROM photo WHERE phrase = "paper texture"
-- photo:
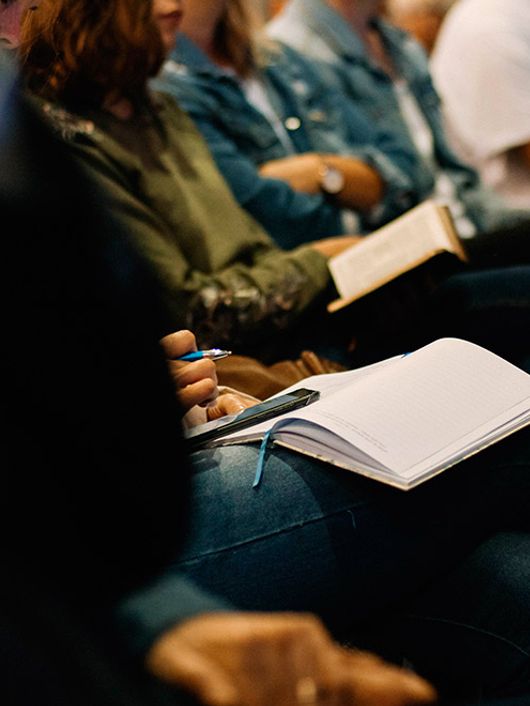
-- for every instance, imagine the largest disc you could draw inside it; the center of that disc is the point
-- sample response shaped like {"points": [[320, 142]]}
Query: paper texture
{"points": [[411, 415], [394, 249]]}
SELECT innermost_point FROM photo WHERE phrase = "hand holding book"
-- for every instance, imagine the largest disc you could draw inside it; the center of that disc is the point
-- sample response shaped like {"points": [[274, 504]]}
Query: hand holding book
{"points": [[400, 246]]}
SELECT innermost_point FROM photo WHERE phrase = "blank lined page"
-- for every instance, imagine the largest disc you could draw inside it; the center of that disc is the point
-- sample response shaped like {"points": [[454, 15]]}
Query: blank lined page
{"points": [[428, 401]]}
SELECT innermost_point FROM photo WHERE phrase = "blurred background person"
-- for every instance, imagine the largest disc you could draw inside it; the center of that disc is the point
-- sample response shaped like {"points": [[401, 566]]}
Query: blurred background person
{"points": [[96, 478], [385, 72], [422, 18], [481, 68], [221, 273], [298, 157]]}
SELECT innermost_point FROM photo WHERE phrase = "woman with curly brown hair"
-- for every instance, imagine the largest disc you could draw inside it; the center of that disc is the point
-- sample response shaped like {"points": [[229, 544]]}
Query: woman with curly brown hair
{"points": [[89, 64], [92, 53]]}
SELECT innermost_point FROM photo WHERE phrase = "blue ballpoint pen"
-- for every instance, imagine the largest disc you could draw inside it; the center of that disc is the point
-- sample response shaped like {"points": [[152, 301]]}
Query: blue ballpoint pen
{"points": [[212, 354]]}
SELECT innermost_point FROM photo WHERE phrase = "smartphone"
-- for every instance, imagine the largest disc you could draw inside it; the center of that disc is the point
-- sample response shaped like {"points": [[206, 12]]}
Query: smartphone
{"points": [[253, 415]]}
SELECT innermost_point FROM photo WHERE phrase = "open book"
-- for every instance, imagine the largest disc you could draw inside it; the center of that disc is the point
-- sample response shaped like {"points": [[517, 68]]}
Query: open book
{"points": [[407, 418], [387, 253]]}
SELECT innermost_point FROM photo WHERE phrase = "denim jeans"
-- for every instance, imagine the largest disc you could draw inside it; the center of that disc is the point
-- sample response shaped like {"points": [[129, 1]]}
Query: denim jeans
{"points": [[470, 608], [362, 555], [488, 306]]}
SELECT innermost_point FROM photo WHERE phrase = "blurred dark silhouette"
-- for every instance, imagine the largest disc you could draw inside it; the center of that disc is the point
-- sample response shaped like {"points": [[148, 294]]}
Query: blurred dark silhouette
{"points": [[87, 413]]}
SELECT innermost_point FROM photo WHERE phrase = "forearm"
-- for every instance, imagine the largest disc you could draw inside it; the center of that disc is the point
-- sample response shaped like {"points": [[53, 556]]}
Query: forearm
{"points": [[363, 187], [253, 289], [144, 615], [293, 218], [244, 304], [257, 292], [290, 216]]}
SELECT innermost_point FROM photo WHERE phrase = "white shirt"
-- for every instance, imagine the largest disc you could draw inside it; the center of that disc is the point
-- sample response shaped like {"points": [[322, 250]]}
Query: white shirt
{"points": [[481, 67], [444, 191]]}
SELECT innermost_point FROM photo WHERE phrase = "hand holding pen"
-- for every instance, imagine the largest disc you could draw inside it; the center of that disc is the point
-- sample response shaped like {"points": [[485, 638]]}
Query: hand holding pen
{"points": [[195, 377], [210, 354]]}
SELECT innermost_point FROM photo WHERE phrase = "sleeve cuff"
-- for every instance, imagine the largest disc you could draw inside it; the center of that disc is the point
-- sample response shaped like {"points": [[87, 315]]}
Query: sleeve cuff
{"points": [[146, 614]]}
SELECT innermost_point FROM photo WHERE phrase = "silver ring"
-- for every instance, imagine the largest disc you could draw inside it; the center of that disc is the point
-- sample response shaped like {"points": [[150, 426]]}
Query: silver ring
{"points": [[306, 691]]}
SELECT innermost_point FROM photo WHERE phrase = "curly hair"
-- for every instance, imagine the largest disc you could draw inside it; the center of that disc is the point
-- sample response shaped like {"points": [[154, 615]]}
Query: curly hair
{"points": [[86, 50]]}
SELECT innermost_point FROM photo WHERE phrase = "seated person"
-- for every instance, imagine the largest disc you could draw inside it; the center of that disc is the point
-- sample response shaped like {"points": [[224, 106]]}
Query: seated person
{"points": [[96, 480], [231, 551], [482, 73], [105, 417], [384, 71], [298, 157], [221, 274]]}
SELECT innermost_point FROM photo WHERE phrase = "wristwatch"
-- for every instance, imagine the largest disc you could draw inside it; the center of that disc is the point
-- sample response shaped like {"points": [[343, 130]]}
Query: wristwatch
{"points": [[331, 179]]}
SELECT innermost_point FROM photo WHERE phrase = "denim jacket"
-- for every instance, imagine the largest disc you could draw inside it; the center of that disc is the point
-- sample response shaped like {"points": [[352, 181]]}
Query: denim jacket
{"points": [[316, 118], [318, 31]]}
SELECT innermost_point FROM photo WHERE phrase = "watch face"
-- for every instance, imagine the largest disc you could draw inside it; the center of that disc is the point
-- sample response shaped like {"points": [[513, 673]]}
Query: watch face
{"points": [[332, 180]]}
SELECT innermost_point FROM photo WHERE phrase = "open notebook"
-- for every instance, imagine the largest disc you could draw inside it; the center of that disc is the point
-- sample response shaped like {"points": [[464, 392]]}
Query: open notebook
{"points": [[407, 418]]}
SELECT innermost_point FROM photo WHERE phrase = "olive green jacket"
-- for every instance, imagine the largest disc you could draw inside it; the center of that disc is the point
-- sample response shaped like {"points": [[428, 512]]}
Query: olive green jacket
{"points": [[221, 273]]}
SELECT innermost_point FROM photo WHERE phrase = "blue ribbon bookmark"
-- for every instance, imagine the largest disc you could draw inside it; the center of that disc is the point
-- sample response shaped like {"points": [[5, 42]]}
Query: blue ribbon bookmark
{"points": [[260, 466]]}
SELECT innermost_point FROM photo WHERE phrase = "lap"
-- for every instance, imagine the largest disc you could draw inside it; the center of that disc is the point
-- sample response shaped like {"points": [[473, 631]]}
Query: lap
{"points": [[313, 537], [426, 565], [490, 307], [470, 630]]}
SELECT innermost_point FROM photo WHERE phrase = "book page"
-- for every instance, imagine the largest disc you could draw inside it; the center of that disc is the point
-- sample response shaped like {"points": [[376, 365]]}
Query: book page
{"points": [[330, 382], [431, 402], [397, 247], [471, 443], [327, 384], [434, 404]]}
